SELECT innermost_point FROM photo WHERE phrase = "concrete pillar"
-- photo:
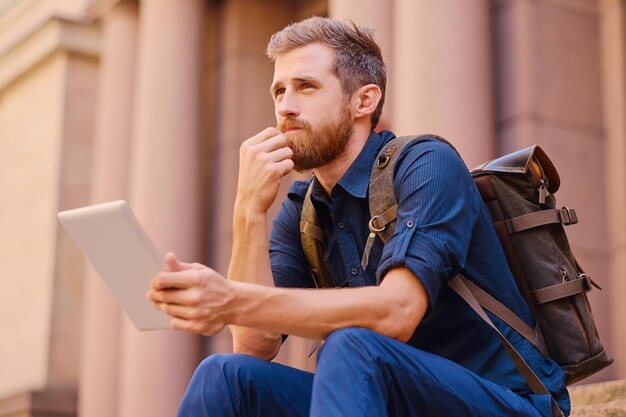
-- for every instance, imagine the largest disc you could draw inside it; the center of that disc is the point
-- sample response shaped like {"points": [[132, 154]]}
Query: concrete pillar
{"points": [[613, 41], [99, 370], [164, 193], [442, 66], [375, 15]]}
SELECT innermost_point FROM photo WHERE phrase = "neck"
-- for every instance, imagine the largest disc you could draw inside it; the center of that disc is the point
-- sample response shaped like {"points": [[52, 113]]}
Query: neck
{"points": [[329, 175]]}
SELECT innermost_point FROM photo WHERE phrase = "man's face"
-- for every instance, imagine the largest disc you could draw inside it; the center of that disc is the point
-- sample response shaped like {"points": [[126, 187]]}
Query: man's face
{"points": [[310, 106]]}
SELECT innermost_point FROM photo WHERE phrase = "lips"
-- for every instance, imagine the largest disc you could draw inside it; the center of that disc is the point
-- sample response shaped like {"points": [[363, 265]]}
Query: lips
{"points": [[290, 125]]}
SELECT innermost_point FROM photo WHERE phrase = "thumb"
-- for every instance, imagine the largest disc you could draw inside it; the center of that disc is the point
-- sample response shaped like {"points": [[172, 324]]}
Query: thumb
{"points": [[172, 262]]}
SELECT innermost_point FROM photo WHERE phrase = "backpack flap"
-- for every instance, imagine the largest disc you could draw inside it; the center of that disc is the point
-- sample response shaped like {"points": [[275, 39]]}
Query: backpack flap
{"points": [[532, 162]]}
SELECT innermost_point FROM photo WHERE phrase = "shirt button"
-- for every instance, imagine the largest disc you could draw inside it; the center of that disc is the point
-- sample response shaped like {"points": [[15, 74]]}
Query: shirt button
{"points": [[354, 271], [409, 224], [341, 225]]}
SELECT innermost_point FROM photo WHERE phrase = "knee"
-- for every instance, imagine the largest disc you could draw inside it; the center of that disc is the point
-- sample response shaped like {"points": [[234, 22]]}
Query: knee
{"points": [[223, 370], [351, 343], [226, 366]]}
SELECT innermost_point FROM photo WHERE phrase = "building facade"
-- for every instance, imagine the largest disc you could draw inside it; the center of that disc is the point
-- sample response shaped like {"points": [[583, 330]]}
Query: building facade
{"points": [[150, 100]]}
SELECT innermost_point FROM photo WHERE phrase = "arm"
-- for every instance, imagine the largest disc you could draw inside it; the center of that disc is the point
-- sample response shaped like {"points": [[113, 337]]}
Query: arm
{"points": [[201, 301], [250, 263], [264, 160]]}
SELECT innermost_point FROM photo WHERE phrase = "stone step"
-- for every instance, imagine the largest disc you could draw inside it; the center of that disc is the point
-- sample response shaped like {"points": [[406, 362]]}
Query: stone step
{"points": [[602, 399]]}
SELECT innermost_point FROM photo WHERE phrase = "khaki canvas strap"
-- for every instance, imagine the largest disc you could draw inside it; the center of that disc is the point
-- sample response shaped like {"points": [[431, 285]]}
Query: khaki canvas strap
{"points": [[312, 240], [313, 231], [565, 216]]}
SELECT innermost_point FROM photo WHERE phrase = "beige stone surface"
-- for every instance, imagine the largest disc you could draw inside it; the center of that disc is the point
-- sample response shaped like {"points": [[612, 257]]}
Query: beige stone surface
{"points": [[29, 176], [246, 69], [613, 35], [443, 70], [601, 392], [376, 15], [155, 367], [549, 63], [604, 399], [100, 340], [39, 178], [19, 18]]}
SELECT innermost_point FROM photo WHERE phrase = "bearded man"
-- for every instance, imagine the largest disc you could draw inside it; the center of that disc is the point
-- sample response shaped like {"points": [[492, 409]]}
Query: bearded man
{"points": [[398, 341]]}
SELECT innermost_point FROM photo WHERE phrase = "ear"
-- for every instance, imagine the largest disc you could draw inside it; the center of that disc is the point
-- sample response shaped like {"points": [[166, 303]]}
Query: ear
{"points": [[365, 100]]}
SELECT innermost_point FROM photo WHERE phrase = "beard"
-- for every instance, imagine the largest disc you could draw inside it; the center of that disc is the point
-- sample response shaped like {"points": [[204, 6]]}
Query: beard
{"points": [[317, 146]]}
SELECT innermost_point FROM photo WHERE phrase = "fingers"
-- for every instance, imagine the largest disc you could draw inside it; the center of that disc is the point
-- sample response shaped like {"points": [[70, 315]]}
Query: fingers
{"points": [[204, 329], [178, 279], [263, 136], [284, 167], [189, 297], [268, 140]]}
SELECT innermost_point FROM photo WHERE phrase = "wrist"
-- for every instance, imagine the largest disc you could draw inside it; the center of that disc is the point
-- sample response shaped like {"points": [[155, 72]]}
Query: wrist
{"points": [[246, 213]]}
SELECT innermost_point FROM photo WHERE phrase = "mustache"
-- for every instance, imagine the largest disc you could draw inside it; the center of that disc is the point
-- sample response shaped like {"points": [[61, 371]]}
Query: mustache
{"points": [[292, 124]]}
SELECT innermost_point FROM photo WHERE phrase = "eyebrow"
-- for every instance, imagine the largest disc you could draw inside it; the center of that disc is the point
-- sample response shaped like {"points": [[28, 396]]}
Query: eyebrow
{"points": [[306, 78]]}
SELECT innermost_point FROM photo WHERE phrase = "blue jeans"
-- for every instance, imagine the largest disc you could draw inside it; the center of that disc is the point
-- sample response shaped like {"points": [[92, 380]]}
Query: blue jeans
{"points": [[359, 373]]}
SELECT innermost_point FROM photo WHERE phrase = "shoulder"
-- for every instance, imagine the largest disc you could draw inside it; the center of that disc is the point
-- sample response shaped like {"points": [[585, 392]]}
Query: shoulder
{"points": [[430, 153], [298, 189]]}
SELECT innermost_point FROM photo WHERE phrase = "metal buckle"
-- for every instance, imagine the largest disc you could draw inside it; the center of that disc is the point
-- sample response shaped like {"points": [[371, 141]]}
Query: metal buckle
{"points": [[383, 160], [374, 228], [568, 216], [586, 282]]}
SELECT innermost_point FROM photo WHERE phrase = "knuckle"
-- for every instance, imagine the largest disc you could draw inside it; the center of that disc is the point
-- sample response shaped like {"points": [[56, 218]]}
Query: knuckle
{"points": [[197, 275]]}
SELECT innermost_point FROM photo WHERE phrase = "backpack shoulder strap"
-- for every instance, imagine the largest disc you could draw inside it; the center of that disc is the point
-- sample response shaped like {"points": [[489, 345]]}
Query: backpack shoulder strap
{"points": [[382, 199], [312, 238]]}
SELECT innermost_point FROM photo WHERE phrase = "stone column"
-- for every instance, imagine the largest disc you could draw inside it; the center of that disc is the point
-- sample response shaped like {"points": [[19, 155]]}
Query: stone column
{"points": [[99, 370], [550, 93], [442, 67], [377, 15], [613, 42], [164, 193]]}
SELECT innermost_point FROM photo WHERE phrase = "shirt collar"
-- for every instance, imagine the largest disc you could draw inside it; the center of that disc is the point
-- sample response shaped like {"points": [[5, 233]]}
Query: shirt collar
{"points": [[356, 180]]}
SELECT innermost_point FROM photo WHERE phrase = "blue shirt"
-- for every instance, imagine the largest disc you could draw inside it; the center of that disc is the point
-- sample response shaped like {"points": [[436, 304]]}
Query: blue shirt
{"points": [[442, 228]]}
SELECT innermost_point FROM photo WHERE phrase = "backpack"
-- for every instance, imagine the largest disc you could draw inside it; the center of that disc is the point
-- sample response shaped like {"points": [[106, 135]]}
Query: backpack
{"points": [[518, 190]]}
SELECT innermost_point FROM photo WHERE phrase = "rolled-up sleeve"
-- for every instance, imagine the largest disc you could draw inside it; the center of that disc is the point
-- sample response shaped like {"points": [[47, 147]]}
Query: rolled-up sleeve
{"points": [[437, 209], [289, 265]]}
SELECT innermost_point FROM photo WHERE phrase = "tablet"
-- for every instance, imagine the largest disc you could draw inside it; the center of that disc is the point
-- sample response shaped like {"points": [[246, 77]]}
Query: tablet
{"points": [[121, 252]]}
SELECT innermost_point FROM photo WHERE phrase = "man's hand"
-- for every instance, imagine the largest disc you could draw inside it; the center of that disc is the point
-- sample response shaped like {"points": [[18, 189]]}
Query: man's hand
{"points": [[194, 295], [263, 160]]}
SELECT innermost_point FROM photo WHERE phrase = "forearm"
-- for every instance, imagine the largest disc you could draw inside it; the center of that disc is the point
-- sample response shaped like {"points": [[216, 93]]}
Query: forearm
{"points": [[394, 309], [250, 263]]}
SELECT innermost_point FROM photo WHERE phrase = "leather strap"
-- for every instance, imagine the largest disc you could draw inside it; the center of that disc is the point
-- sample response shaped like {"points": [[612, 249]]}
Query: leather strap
{"points": [[565, 216], [459, 285], [382, 220], [503, 313], [565, 289]]}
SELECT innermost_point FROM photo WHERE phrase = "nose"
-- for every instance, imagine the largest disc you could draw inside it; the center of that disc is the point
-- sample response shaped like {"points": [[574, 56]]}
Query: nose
{"points": [[287, 105]]}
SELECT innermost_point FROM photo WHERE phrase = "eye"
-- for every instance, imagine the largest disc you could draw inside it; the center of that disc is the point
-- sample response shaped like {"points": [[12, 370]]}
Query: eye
{"points": [[279, 92], [306, 86]]}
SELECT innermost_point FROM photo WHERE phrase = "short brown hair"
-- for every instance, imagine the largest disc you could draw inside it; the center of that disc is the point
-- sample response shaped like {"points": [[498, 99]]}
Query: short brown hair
{"points": [[358, 60]]}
